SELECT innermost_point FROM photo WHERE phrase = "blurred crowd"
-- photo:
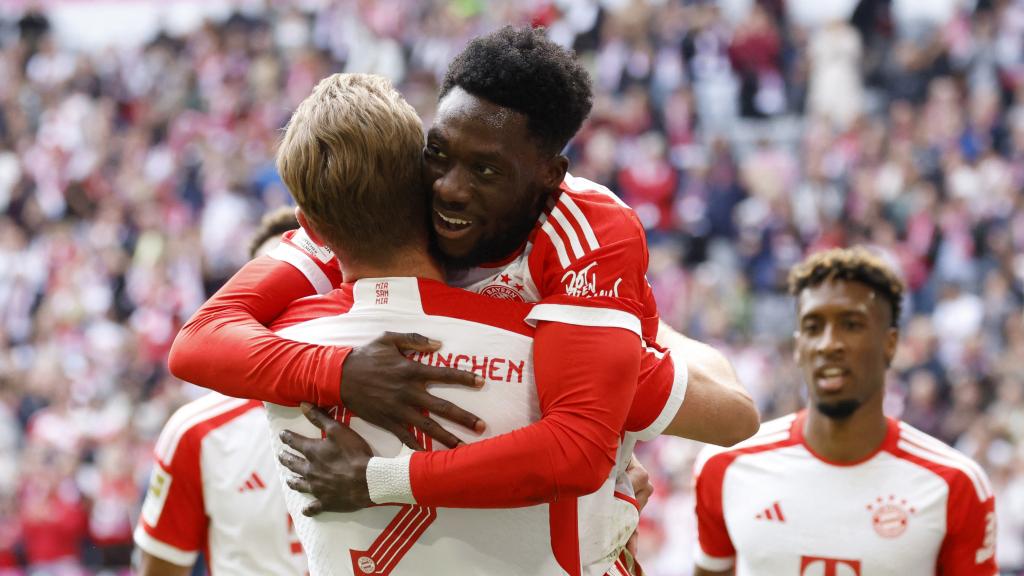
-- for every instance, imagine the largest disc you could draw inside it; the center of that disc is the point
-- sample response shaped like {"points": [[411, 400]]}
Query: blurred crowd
{"points": [[745, 133]]}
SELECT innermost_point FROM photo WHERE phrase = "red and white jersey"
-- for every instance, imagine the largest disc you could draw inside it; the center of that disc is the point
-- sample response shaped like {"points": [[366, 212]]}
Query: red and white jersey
{"points": [[317, 263], [584, 254], [214, 489], [479, 334], [589, 244], [770, 505]]}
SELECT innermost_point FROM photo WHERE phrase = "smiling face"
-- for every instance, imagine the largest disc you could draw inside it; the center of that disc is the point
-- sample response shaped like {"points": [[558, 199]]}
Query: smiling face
{"points": [[488, 176], [844, 344]]}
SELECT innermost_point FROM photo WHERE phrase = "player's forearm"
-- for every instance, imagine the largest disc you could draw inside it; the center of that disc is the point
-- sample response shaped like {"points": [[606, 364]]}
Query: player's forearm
{"points": [[538, 464], [584, 399], [717, 408], [226, 346], [266, 368]]}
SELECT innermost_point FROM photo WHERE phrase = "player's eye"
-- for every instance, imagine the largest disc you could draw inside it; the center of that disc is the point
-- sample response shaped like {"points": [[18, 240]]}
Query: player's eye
{"points": [[852, 324], [485, 170], [434, 151]]}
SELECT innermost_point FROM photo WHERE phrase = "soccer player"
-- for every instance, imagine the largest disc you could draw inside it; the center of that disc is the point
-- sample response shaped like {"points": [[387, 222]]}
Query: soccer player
{"points": [[839, 488], [214, 486], [568, 429], [516, 225]]}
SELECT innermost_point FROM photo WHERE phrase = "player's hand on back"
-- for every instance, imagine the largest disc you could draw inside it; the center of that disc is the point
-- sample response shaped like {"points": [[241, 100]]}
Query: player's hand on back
{"points": [[332, 469], [384, 387]]}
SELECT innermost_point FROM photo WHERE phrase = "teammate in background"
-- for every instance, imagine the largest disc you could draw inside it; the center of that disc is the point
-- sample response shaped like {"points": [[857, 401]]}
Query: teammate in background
{"points": [[214, 486], [508, 214], [838, 488], [566, 429]]}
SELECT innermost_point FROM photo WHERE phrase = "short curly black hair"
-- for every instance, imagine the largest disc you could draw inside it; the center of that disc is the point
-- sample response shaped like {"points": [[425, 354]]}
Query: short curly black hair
{"points": [[521, 69], [853, 265], [273, 224]]}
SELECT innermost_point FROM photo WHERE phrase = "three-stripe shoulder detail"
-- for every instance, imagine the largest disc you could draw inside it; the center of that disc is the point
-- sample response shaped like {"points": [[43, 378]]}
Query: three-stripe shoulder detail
{"points": [[923, 446], [188, 417], [570, 231]]}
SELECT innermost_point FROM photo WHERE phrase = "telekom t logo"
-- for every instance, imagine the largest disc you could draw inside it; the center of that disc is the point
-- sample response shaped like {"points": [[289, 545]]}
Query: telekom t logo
{"points": [[815, 566]]}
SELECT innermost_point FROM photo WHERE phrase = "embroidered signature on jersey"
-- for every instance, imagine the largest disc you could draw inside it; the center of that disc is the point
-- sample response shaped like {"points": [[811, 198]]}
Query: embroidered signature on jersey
{"points": [[322, 253], [583, 283]]}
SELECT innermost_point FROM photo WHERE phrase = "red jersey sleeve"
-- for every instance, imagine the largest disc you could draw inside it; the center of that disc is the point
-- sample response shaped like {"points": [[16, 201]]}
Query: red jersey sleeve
{"points": [[715, 550], [585, 382], [227, 347], [590, 245], [317, 263], [970, 543], [173, 523], [590, 258], [660, 390]]}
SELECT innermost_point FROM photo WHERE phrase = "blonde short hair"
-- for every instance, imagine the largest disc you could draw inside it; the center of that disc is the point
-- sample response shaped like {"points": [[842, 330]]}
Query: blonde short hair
{"points": [[351, 157]]}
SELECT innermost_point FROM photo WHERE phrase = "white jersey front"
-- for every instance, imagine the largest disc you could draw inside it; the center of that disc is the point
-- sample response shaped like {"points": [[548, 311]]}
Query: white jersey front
{"points": [[771, 506], [480, 334], [214, 489]]}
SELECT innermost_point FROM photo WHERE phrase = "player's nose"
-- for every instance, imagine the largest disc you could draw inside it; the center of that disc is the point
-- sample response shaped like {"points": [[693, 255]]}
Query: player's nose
{"points": [[830, 340], [453, 188]]}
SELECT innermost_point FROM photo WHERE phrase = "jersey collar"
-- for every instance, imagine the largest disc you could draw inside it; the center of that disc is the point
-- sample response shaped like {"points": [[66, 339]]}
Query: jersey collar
{"points": [[892, 435]]}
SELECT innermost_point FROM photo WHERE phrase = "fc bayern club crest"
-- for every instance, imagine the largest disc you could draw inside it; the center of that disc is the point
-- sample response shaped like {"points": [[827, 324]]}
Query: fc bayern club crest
{"points": [[502, 292], [890, 516]]}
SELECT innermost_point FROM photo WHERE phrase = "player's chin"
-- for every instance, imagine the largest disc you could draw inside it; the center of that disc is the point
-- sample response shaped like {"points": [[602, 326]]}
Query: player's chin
{"points": [[837, 408], [460, 250]]}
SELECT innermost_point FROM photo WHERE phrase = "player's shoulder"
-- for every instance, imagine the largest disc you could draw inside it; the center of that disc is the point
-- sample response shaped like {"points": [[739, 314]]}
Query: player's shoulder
{"points": [[333, 303], [772, 435], [952, 466], [317, 263], [191, 423], [506, 313], [587, 216], [300, 239]]}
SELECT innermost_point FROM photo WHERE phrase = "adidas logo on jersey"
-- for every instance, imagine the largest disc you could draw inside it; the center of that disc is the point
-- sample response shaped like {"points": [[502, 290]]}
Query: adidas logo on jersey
{"points": [[254, 482], [772, 513]]}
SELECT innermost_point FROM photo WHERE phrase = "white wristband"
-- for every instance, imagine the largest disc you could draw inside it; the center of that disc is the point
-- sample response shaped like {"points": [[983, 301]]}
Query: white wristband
{"points": [[387, 480]]}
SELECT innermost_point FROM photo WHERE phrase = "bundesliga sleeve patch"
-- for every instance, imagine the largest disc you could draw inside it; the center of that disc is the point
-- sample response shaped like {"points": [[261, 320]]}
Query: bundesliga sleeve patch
{"points": [[156, 496]]}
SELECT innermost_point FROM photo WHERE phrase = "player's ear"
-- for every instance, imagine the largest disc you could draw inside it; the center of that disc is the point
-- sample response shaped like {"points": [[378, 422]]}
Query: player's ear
{"points": [[554, 171], [307, 226], [892, 338]]}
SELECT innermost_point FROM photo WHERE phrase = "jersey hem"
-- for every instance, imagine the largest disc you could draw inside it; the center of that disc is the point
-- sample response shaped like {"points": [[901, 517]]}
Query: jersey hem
{"points": [[715, 563], [149, 544]]}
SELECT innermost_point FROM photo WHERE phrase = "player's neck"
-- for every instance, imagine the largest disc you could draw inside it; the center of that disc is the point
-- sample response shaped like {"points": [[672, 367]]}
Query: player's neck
{"points": [[850, 439], [407, 262]]}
